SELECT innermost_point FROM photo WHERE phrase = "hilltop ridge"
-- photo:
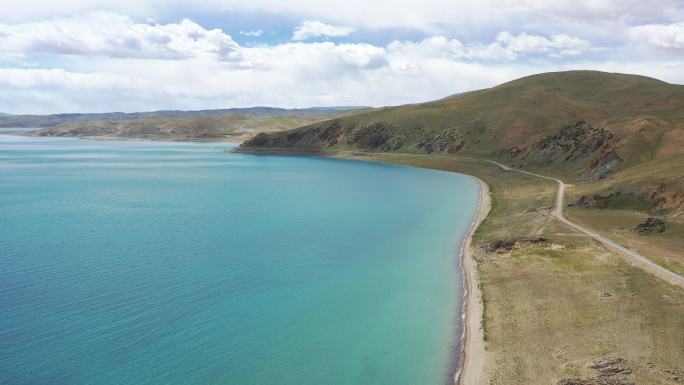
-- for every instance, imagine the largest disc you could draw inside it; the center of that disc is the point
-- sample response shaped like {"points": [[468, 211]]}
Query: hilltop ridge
{"points": [[581, 125], [517, 114]]}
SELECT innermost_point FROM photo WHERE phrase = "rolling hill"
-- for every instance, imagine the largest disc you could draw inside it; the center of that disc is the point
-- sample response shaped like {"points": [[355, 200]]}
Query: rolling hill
{"points": [[622, 134], [236, 123], [197, 127]]}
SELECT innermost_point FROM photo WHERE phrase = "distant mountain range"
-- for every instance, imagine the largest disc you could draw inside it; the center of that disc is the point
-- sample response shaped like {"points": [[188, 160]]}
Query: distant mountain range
{"points": [[46, 121]]}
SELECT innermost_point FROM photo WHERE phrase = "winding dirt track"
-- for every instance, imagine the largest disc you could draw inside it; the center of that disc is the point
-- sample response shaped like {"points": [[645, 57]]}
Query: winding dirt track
{"points": [[634, 257]]}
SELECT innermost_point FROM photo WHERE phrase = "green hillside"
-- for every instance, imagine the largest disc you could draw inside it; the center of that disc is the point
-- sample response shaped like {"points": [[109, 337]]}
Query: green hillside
{"points": [[499, 118], [585, 126]]}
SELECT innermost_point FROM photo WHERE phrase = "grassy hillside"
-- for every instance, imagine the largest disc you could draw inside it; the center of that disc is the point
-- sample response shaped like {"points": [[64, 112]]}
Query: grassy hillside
{"points": [[518, 113], [585, 126]]}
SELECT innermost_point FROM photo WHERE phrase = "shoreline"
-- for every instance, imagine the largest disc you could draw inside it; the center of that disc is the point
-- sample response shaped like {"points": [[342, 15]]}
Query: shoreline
{"points": [[470, 368], [644, 301], [471, 361]]}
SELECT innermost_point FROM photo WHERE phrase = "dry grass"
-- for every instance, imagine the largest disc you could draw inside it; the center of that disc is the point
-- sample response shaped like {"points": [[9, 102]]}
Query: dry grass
{"points": [[667, 248], [618, 221]]}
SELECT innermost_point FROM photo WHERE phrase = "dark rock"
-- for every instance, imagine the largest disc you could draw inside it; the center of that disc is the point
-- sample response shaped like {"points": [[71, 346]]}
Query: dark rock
{"points": [[449, 141], [323, 134], [610, 366], [259, 140], [595, 381], [580, 142], [610, 371], [606, 362], [500, 245], [382, 136], [596, 201], [650, 196], [651, 225], [603, 165], [505, 245]]}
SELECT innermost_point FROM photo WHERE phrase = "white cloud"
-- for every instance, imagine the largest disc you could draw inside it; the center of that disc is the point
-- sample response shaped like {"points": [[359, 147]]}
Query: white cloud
{"points": [[114, 35], [557, 45], [664, 36], [117, 36], [309, 29], [32, 78], [360, 55], [505, 47], [256, 33], [103, 61], [374, 14], [294, 81], [313, 57]]}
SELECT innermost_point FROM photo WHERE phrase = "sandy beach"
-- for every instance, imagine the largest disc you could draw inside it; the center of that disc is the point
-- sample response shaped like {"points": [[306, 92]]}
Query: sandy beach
{"points": [[473, 355]]}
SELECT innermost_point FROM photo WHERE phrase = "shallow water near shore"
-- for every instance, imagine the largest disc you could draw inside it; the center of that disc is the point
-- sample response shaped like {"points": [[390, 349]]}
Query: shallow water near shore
{"points": [[135, 262]]}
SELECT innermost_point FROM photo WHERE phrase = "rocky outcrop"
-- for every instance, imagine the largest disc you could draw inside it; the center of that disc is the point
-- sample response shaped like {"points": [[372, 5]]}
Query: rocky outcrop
{"points": [[449, 141], [378, 136], [603, 164], [505, 245], [657, 196], [327, 134], [319, 135], [608, 371], [594, 149], [597, 201], [610, 366], [594, 381], [650, 225]]}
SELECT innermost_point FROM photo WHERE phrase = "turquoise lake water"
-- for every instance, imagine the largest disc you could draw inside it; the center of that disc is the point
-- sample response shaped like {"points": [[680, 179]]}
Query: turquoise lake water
{"points": [[132, 262]]}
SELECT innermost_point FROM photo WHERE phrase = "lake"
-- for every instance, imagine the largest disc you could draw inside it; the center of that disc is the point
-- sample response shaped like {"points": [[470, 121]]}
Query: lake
{"points": [[139, 262]]}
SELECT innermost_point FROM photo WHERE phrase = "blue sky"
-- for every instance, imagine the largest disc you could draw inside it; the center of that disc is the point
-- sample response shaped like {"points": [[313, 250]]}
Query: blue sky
{"points": [[125, 55]]}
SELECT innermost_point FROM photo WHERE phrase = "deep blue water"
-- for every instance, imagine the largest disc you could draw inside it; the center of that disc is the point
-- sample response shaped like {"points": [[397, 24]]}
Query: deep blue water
{"points": [[131, 262]]}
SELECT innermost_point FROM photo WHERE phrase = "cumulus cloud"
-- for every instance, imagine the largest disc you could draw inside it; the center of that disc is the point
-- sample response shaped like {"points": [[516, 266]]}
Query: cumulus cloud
{"points": [[131, 69], [309, 29], [505, 47], [424, 14], [324, 56], [663, 36], [115, 35], [256, 33], [556, 45], [100, 61], [198, 84]]}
